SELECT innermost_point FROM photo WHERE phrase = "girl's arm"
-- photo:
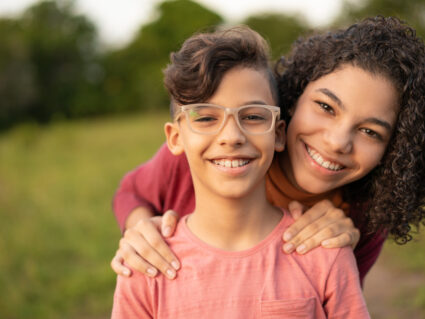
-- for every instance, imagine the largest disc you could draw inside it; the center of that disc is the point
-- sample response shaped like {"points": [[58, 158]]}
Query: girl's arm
{"points": [[146, 186], [162, 183]]}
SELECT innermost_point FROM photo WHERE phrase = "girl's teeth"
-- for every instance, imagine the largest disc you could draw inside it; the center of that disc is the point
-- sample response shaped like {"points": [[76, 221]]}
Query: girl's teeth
{"points": [[319, 160], [231, 163]]}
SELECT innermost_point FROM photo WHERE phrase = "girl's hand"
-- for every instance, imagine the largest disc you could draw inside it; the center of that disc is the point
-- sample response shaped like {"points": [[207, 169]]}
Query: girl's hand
{"points": [[323, 224], [143, 248]]}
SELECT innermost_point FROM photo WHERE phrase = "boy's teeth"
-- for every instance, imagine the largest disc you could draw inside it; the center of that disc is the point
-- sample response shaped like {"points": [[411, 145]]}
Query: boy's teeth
{"points": [[231, 163], [319, 160]]}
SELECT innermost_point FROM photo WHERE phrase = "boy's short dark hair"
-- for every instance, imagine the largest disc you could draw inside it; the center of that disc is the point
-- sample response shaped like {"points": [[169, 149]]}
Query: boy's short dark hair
{"points": [[197, 69]]}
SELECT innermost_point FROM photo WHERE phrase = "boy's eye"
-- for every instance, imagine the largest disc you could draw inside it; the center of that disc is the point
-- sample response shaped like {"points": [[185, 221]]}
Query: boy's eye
{"points": [[252, 117], [325, 107], [204, 119]]}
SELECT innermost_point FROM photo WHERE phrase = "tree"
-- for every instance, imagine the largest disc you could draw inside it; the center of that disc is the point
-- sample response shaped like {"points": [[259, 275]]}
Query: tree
{"points": [[412, 11], [280, 30], [62, 48], [134, 74], [17, 78]]}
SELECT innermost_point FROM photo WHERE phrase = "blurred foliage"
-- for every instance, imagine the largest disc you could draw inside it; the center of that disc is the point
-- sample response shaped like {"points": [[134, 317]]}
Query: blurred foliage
{"points": [[48, 64], [279, 30], [134, 73], [58, 233], [412, 11], [52, 65]]}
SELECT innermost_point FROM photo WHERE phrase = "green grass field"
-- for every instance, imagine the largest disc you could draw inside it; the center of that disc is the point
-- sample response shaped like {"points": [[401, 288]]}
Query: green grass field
{"points": [[58, 232]]}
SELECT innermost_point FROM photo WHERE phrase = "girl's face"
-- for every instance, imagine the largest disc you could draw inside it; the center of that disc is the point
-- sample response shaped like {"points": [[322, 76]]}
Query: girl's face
{"points": [[339, 130]]}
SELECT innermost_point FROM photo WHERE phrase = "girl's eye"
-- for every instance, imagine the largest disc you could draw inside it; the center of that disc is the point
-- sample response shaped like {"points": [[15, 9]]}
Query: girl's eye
{"points": [[371, 133], [325, 107]]}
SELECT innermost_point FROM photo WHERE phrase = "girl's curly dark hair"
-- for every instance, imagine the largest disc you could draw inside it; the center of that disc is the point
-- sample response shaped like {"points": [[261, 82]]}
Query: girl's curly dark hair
{"points": [[393, 194], [197, 68]]}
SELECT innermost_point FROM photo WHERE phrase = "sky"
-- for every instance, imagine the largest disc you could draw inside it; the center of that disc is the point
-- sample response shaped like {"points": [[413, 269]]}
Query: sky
{"points": [[118, 20]]}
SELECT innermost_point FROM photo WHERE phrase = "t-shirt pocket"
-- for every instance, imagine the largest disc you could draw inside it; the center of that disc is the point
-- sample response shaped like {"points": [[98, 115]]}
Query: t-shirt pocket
{"points": [[288, 309]]}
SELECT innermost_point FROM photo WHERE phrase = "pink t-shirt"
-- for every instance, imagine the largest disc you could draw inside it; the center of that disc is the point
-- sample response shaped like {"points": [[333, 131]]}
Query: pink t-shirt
{"points": [[261, 282]]}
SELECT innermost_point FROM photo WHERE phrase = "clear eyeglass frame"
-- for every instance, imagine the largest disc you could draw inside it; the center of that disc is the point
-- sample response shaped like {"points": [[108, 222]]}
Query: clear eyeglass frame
{"points": [[186, 110]]}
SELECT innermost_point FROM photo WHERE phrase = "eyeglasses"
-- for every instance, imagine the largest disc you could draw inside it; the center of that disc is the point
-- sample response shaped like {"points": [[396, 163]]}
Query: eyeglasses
{"points": [[209, 119]]}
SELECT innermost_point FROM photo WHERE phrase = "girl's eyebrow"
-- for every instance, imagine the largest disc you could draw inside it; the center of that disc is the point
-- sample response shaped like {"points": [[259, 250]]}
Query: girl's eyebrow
{"points": [[373, 120], [332, 96], [379, 122]]}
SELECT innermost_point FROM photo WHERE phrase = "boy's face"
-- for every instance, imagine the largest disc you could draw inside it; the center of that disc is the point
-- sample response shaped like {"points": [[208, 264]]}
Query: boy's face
{"points": [[230, 163]]}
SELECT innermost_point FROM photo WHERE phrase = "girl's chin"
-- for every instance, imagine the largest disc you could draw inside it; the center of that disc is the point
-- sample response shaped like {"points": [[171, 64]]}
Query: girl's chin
{"points": [[316, 188]]}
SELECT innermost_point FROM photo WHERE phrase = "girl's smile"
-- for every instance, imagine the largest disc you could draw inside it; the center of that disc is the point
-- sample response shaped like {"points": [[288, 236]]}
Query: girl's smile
{"points": [[339, 130]]}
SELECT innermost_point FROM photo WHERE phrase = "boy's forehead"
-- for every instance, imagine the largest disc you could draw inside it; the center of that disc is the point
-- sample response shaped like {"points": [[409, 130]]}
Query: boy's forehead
{"points": [[240, 86]]}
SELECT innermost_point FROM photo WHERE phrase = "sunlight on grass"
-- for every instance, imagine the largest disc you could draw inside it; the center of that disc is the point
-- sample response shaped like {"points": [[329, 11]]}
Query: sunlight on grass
{"points": [[58, 231]]}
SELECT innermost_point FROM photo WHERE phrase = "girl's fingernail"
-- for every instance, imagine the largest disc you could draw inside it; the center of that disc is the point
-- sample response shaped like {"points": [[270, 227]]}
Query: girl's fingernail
{"points": [[126, 272], [151, 272], [171, 273], [175, 264], [288, 248], [295, 213], [287, 236], [301, 248], [167, 231], [326, 242]]}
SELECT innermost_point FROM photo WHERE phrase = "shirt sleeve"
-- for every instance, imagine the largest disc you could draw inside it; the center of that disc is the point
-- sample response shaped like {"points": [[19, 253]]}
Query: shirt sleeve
{"points": [[133, 298], [343, 294], [147, 185]]}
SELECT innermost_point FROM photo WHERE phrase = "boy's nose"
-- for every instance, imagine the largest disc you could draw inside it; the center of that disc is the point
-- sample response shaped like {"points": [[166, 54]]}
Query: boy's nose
{"points": [[231, 133]]}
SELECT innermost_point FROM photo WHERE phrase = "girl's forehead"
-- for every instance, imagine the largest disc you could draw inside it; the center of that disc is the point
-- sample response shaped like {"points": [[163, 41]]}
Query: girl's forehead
{"points": [[354, 88]]}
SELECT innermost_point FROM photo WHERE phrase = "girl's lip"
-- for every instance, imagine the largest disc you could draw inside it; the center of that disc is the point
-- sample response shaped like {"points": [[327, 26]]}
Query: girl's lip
{"points": [[334, 167]]}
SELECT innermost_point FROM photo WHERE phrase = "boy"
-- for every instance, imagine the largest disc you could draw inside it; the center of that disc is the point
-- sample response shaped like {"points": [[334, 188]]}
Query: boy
{"points": [[223, 96]]}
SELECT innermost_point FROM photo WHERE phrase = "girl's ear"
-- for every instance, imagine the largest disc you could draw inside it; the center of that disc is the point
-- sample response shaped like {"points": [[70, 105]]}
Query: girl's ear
{"points": [[280, 134], [172, 133]]}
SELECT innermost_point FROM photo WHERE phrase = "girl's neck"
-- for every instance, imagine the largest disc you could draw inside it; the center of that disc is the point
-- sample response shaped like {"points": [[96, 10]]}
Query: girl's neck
{"points": [[233, 224]]}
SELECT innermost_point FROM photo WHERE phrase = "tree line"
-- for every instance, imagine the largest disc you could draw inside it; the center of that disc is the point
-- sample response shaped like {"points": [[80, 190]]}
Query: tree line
{"points": [[52, 65]]}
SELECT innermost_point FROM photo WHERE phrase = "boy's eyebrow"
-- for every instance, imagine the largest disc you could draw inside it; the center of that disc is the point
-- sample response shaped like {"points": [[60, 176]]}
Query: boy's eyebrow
{"points": [[332, 96], [254, 102], [373, 120]]}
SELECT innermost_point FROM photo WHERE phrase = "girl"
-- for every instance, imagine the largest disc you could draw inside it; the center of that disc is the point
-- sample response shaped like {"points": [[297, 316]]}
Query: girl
{"points": [[341, 148]]}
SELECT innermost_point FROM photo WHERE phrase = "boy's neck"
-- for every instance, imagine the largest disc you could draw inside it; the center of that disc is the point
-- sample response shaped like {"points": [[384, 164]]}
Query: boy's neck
{"points": [[233, 224]]}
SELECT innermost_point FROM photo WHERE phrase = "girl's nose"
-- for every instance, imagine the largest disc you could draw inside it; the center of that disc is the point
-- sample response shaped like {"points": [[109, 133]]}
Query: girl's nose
{"points": [[339, 139]]}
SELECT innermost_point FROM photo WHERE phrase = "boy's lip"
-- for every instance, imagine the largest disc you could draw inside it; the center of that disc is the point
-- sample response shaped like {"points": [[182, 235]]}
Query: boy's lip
{"points": [[231, 162]]}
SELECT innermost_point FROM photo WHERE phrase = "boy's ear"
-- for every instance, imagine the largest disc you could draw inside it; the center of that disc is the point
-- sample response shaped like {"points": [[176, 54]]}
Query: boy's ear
{"points": [[280, 139], [172, 133]]}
